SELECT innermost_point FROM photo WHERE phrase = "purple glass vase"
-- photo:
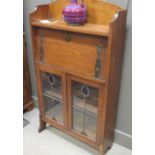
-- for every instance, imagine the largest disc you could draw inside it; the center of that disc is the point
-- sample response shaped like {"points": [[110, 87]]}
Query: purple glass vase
{"points": [[75, 13]]}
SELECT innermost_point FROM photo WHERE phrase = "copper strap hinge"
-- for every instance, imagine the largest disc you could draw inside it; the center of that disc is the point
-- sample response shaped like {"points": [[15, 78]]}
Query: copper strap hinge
{"points": [[98, 60], [41, 46]]}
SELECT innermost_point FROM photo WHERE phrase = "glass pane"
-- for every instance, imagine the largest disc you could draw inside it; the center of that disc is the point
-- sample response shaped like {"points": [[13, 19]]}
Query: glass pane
{"points": [[84, 109], [51, 85], [52, 96]]}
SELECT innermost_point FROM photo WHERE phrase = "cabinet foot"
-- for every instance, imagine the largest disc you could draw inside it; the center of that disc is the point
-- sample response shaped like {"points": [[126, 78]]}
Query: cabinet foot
{"points": [[101, 151], [42, 125], [108, 148], [28, 107]]}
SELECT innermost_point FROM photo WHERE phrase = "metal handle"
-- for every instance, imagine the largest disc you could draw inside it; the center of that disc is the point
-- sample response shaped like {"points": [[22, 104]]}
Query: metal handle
{"points": [[67, 36]]}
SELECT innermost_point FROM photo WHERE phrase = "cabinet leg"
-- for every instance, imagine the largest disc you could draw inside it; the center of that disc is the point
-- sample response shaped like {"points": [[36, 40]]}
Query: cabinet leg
{"points": [[101, 151], [108, 148], [28, 106], [31, 106], [42, 125]]}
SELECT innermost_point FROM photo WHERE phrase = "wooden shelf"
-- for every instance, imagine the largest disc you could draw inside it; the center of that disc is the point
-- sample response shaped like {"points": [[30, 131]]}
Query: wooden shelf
{"points": [[101, 30], [88, 107], [78, 104], [52, 95]]}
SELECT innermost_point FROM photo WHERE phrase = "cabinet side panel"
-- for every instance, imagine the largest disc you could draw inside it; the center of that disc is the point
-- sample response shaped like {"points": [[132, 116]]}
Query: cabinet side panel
{"points": [[116, 40]]}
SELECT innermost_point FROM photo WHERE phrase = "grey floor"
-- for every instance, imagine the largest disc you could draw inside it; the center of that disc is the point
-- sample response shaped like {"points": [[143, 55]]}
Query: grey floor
{"points": [[53, 142]]}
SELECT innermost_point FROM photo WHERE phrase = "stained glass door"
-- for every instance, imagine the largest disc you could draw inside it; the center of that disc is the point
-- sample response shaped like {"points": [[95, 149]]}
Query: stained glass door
{"points": [[84, 109], [52, 97]]}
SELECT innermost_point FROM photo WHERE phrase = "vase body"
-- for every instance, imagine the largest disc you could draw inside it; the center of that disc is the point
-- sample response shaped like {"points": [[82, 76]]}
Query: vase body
{"points": [[75, 13]]}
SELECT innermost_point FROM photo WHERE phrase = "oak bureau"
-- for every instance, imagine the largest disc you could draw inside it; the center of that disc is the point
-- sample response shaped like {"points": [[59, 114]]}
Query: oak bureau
{"points": [[78, 70]]}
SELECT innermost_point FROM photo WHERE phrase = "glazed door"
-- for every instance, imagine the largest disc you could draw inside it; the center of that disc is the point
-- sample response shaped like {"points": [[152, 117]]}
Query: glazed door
{"points": [[83, 108], [53, 97]]}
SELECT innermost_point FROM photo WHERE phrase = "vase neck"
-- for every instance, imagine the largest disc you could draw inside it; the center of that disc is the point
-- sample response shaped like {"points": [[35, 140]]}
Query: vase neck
{"points": [[74, 1]]}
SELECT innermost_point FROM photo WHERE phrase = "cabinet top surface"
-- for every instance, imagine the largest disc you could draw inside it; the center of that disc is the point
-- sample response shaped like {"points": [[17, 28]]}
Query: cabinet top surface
{"points": [[88, 28]]}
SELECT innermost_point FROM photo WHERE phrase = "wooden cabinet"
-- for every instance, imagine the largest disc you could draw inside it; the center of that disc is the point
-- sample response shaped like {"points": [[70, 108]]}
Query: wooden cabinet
{"points": [[27, 99], [78, 70]]}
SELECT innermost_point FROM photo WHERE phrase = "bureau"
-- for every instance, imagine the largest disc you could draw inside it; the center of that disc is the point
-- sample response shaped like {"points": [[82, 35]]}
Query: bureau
{"points": [[78, 70]]}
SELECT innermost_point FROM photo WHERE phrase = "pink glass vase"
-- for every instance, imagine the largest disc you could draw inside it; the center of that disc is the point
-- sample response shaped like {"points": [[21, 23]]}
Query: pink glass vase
{"points": [[75, 13]]}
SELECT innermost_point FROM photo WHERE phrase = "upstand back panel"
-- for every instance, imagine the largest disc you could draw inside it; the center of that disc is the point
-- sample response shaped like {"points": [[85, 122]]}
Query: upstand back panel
{"points": [[78, 70]]}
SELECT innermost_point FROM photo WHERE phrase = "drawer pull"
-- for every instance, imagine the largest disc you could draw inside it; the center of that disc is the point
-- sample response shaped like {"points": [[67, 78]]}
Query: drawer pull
{"points": [[98, 60], [41, 46], [67, 36]]}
